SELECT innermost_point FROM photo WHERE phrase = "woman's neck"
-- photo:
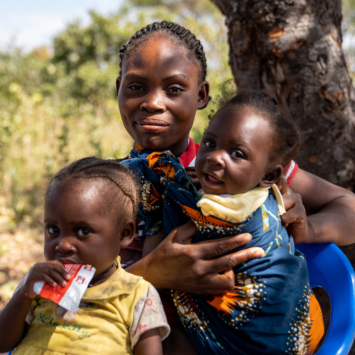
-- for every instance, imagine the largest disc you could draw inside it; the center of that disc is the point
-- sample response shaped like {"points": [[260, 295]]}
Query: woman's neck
{"points": [[180, 147]]}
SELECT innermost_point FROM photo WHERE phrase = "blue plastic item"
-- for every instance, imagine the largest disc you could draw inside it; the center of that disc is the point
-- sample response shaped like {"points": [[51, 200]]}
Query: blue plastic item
{"points": [[330, 269]]}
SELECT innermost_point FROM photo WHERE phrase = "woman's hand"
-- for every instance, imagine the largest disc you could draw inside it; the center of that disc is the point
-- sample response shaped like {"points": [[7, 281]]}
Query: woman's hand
{"points": [[195, 268], [330, 209], [52, 272], [295, 218]]}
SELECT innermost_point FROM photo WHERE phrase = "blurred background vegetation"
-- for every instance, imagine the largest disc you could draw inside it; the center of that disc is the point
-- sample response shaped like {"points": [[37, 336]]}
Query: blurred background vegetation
{"points": [[58, 103]]}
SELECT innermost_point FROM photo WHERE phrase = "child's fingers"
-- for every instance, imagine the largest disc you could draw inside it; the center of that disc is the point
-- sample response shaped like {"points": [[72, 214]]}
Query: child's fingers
{"points": [[49, 280], [54, 270], [56, 275], [57, 265]]}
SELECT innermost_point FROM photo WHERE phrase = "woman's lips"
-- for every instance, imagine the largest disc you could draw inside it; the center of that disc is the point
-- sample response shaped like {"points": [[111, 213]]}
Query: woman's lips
{"points": [[152, 125]]}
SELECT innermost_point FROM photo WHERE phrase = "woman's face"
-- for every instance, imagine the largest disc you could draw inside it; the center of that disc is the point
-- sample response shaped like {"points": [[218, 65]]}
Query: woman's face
{"points": [[159, 93]]}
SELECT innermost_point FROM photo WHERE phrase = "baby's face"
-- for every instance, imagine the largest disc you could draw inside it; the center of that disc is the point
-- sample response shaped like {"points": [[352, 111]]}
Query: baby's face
{"points": [[234, 153]]}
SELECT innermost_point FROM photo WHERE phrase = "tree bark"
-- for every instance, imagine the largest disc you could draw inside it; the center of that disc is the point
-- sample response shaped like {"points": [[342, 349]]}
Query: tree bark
{"points": [[292, 50]]}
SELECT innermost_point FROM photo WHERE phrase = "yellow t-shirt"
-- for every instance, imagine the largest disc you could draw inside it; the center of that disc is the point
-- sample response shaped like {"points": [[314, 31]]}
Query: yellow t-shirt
{"points": [[100, 326]]}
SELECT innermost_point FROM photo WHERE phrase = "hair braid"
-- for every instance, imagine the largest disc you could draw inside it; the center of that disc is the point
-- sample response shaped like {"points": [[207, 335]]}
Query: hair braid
{"points": [[177, 32], [124, 190], [112, 170]]}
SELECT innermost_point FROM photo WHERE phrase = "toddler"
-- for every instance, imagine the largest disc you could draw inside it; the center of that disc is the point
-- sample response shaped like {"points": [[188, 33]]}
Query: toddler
{"points": [[272, 309], [90, 207]]}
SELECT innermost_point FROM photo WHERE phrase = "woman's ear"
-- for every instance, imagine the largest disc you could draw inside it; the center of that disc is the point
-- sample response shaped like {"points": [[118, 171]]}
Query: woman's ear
{"points": [[127, 233], [203, 95], [118, 84], [272, 176]]}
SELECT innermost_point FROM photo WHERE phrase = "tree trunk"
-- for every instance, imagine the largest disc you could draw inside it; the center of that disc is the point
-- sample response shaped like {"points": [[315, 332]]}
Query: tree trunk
{"points": [[292, 50]]}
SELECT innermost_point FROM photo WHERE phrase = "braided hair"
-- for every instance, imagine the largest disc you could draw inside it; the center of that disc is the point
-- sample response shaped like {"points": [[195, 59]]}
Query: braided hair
{"points": [[286, 139], [180, 35], [126, 195]]}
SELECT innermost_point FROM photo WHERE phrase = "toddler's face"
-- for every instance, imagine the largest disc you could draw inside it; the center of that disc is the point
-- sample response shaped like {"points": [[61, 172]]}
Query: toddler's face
{"points": [[234, 153], [158, 95], [78, 227]]}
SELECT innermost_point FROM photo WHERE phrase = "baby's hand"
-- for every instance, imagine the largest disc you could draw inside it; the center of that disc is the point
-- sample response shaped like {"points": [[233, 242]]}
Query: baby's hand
{"points": [[295, 218], [191, 172], [52, 272]]}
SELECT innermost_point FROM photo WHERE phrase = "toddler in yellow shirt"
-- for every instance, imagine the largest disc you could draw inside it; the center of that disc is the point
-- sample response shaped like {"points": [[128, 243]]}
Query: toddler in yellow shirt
{"points": [[90, 207]]}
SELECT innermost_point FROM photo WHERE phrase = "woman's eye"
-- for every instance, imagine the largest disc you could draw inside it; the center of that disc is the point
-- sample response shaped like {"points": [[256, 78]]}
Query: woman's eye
{"points": [[83, 232], [210, 144], [237, 154], [135, 87], [175, 89], [53, 230]]}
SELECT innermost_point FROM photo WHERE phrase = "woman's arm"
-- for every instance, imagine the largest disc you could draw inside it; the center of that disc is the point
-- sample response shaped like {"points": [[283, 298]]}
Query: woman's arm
{"points": [[195, 268], [330, 210]]}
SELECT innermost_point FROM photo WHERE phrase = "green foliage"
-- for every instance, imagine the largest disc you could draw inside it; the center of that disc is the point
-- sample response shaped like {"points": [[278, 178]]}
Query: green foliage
{"points": [[60, 107], [348, 23], [348, 26]]}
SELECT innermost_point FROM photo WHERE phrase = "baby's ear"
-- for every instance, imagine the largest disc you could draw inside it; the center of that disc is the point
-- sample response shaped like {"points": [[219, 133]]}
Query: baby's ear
{"points": [[272, 176], [127, 233]]}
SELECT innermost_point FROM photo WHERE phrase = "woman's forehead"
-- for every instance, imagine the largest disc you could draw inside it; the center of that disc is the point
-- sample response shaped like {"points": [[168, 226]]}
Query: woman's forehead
{"points": [[160, 53]]}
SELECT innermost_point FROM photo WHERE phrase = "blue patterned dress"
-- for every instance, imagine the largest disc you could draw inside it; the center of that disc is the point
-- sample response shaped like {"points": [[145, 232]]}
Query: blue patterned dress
{"points": [[272, 309]]}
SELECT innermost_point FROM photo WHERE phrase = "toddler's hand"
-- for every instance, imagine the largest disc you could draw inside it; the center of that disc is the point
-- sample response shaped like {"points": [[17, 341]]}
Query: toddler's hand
{"points": [[295, 218], [52, 272], [191, 172]]}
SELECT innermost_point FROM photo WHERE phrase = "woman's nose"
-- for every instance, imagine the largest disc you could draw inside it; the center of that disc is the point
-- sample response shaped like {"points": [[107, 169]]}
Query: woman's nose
{"points": [[66, 245], [216, 158], [153, 102]]}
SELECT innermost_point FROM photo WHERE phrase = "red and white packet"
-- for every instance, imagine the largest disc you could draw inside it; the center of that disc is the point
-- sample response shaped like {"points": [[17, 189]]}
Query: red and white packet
{"points": [[68, 297]]}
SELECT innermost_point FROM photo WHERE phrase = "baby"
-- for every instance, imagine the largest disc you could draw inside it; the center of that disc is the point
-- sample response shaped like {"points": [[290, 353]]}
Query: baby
{"points": [[272, 309], [90, 208]]}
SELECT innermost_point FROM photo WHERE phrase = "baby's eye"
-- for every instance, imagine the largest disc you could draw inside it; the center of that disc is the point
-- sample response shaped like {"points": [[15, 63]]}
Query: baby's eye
{"points": [[83, 232], [53, 230], [210, 144], [237, 154]]}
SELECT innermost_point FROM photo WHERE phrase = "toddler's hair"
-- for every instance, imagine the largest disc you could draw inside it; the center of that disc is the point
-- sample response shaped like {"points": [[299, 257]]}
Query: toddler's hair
{"points": [[117, 176], [286, 139], [180, 35]]}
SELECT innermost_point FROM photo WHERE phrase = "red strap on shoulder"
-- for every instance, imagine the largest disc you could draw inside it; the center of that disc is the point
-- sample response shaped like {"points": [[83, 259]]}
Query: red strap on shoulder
{"points": [[190, 154], [290, 171]]}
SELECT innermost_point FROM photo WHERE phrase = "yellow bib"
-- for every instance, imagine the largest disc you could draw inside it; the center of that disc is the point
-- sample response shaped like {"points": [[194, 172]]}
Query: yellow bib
{"points": [[237, 208]]}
